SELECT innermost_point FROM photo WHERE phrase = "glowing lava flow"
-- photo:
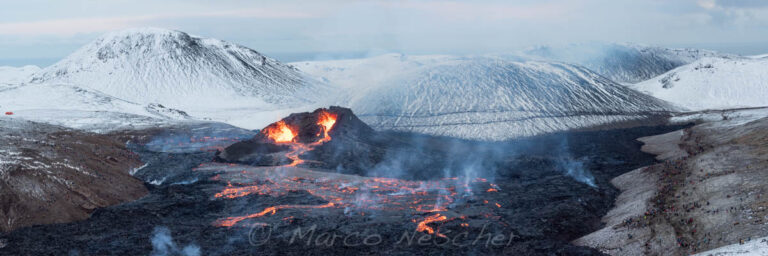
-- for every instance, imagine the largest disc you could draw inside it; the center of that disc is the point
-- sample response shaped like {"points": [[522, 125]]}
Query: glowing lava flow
{"points": [[352, 193], [297, 149], [280, 133], [231, 221], [326, 120], [235, 192], [422, 225]]}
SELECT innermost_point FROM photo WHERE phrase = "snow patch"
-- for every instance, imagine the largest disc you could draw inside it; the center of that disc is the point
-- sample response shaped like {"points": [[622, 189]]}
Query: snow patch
{"points": [[713, 83], [755, 247], [10, 76], [135, 170]]}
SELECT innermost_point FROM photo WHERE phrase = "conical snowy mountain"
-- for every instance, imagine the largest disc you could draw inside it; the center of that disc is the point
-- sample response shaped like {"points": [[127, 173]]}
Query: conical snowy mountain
{"points": [[480, 97], [178, 70], [713, 83], [623, 63]]}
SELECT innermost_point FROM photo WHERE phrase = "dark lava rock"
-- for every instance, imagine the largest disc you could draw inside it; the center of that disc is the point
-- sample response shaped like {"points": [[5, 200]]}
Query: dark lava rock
{"points": [[540, 204], [255, 153]]}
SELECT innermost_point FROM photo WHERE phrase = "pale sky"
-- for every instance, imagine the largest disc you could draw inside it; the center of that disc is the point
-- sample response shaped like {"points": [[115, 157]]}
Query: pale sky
{"points": [[43, 31]]}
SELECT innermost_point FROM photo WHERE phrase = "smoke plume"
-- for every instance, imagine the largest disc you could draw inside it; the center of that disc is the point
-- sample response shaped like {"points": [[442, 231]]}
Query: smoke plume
{"points": [[163, 245]]}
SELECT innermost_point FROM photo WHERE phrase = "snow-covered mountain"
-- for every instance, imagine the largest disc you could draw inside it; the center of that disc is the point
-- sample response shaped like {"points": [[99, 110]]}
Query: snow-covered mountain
{"points": [[150, 73], [623, 63], [10, 76], [172, 68], [480, 97], [713, 83], [156, 74], [82, 108]]}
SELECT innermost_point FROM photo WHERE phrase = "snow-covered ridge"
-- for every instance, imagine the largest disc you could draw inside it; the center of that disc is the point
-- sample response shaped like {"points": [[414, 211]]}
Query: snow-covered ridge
{"points": [[713, 83], [10, 76], [138, 77], [82, 108], [480, 97], [175, 69], [145, 75], [623, 62]]}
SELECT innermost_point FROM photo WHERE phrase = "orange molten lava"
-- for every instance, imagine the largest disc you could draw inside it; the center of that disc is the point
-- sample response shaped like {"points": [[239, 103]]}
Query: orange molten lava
{"points": [[359, 194], [343, 191], [235, 192], [326, 120], [231, 221], [423, 227], [280, 133]]}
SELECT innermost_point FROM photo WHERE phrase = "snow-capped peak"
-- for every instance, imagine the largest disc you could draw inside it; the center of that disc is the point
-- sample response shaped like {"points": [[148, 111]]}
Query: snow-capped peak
{"points": [[152, 65]]}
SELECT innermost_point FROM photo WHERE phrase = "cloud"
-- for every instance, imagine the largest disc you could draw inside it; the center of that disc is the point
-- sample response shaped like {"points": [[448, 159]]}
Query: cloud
{"points": [[73, 26], [732, 4], [743, 3], [347, 27], [707, 4], [488, 11], [735, 14]]}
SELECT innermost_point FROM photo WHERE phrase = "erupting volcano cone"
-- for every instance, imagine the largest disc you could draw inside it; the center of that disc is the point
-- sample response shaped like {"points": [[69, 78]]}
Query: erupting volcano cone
{"points": [[311, 127], [283, 142], [335, 140]]}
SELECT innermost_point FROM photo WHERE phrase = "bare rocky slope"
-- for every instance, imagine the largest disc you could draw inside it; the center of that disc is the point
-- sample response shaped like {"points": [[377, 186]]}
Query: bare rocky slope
{"points": [[50, 174], [707, 193]]}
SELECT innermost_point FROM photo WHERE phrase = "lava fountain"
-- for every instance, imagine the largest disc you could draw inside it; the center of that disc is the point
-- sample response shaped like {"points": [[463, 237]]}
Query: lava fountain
{"points": [[283, 133], [280, 132]]}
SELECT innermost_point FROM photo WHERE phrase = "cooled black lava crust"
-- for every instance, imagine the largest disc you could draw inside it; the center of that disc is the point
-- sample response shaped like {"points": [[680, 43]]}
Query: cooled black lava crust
{"points": [[545, 208]]}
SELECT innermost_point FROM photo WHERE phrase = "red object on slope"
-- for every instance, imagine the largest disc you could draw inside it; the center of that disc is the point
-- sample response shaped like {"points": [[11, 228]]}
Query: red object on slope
{"points": [[8, 113]]}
